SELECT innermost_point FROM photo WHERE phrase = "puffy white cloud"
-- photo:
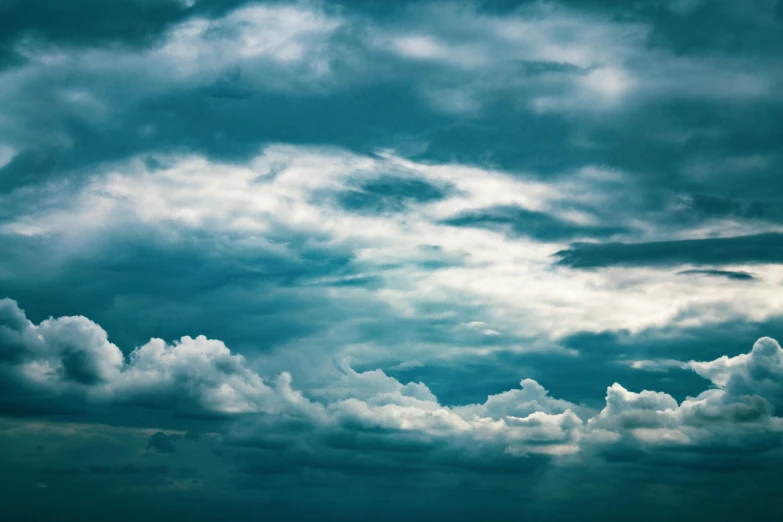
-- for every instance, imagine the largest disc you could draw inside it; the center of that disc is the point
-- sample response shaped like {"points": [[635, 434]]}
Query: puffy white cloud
{"points": [[518, 431], [759, 372], [70, 359], [739, 413], [72, 354], [714, 421], [199, 375], [199, 371], [58, 354], [531, 398]]}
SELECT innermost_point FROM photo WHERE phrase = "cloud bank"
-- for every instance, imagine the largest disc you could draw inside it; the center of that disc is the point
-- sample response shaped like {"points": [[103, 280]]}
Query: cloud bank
{"points": [[69, 359]]}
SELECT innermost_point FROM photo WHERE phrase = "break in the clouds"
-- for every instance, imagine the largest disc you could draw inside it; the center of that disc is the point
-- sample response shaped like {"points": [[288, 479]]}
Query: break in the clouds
{"points": [[391, 259]]}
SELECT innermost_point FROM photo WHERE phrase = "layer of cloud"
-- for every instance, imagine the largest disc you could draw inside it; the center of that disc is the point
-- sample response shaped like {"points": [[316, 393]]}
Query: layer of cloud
{"points": [[69, 359], [434, 235]]}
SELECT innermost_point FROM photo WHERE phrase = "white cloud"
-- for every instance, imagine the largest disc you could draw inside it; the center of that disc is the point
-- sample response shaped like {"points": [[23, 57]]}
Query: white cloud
{"points": [[592, 63], [280, 33], [739, 413], [513, 278], [259, 47], [73, 355], [542, 57], [656, 365], [200, 370], [201, 375], [539, 33], [759, 372], [58, 354]]}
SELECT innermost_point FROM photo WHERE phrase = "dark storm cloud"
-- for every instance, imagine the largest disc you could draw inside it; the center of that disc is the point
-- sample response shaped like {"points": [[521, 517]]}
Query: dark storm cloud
{"points": [[761, 248], [522, 222]]}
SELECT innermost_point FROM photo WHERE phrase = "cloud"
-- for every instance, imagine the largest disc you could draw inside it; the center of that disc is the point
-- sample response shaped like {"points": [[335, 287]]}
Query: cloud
{"points": [[322, 239], [251, 49], [758, 373], [730, 274], [86, 23], [198, 374], [162, 443], [559, 58], [522, 222], [71, 356], [370, 411], [714, 422], [761, 248], [277, 222], [58, 355], [389, 194], [738, 415]]}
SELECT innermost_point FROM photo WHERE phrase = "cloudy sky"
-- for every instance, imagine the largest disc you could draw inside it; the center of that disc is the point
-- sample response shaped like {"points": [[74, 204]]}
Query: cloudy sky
{"points": [[391, 260]]}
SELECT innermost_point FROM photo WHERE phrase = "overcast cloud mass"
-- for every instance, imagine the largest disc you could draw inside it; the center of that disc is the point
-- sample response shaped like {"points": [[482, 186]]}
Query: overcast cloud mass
{"points": [[391, 260]]}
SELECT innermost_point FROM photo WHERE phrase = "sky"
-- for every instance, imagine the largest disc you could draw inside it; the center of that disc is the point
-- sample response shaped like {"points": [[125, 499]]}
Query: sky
{"points": [[413, 260]]}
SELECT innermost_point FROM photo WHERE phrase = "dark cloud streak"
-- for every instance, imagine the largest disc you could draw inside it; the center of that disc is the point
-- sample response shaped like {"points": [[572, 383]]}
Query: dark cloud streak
{"points": [[761, 248]]}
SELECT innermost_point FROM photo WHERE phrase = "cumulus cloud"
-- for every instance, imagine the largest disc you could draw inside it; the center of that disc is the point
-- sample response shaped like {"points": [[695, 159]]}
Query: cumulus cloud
{"points": [[58, 354], [739, 414], [758, 373], [371, 411], [72, 355]]}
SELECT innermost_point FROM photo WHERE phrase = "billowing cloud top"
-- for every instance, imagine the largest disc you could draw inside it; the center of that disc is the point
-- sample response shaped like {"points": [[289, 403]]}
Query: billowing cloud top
{"points": [[69, 360], [461, 260]]}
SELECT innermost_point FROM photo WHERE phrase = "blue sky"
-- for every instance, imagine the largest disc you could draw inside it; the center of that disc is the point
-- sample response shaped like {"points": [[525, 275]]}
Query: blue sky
{"points": [[470, 260]]}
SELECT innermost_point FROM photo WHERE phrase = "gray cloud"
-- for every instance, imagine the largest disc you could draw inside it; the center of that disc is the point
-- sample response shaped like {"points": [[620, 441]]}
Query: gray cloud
{"points": [[389, 194], [162, 443], [761, 248], [538, 225], [736, 275]]}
